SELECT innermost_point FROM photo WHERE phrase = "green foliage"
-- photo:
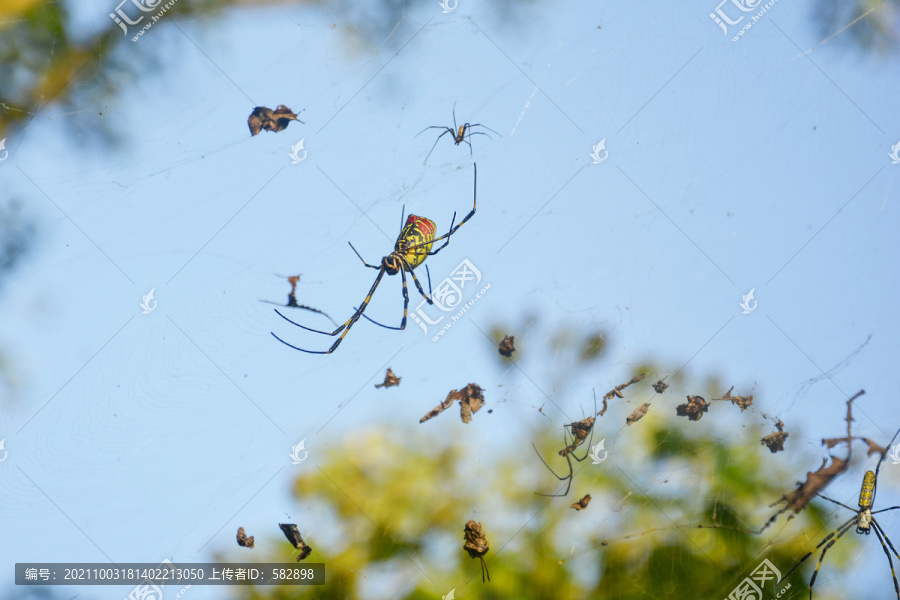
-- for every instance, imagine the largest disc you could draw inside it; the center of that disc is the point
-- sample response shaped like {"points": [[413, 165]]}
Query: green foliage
{"points": [[400, 506]]}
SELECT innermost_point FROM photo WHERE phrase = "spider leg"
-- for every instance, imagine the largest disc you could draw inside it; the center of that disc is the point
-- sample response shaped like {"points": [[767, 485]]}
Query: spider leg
{"points": [[446, 131], [879, 532], [458, 225], [566, 478], [405, 307], [844, 528], [838, 503], [815, 574], [877, 468], [485, 126], [345, 327], [361, 258], [484, 570], [295, 305], [875, 512]]}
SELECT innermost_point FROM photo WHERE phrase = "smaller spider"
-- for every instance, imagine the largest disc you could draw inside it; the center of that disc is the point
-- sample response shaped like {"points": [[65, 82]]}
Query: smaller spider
{"points": [[459, 134], [579, 432]]}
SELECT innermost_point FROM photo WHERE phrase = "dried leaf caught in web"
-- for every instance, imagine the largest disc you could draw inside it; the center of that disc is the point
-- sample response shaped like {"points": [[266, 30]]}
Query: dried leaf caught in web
{"points": [[292, 298], [471, 399], [477, 545], [293, 536], [775, 440], [693, 409], [270, 120], [638, 413], [471, 402], [616, 392], [742, 401], [243, 540], [660, 386], [583, 503], [390, 380], [507, 346]]}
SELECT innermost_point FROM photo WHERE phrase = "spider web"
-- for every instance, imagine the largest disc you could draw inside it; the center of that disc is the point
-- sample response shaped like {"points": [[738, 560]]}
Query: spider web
{"points": [[182, 419]]}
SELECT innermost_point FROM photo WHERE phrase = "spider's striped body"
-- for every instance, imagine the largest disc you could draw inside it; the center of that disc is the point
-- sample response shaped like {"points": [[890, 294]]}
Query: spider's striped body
{"points": [[413, 245], [866, 498]]}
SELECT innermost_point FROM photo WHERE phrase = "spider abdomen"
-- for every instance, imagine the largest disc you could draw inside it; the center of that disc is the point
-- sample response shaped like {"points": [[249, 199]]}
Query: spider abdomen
{"points": [[415, 240], [867, 492]]}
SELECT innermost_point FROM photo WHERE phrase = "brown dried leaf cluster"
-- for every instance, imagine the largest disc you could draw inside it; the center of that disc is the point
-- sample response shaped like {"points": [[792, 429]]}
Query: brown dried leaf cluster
{"points": [[742, 401], [583, 503], [390, 380], [508, 346], [638, 413], [293, 536], [243, 540], [805, 491], [471, 399], [270, 120], [477, 545], [693, 409], [775, 440], [616, 392]]}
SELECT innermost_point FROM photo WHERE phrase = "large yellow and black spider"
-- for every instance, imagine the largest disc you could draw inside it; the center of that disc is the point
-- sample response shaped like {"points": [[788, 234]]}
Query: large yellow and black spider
{"points": [[459, 134], [865, 523], [412, 247]]}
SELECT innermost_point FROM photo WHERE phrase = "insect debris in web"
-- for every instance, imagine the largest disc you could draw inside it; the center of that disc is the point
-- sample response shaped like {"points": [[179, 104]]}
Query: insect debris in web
{"points": [[775, 440], [271, 120], [816, 481], [292, 298], [390, 380], [638, 413], [507, 346], [243, 540], [293, 536], [742, 401], [660, 386], [583, 503], [616, 392], [693, 409], [477, 545], [471, 399]]}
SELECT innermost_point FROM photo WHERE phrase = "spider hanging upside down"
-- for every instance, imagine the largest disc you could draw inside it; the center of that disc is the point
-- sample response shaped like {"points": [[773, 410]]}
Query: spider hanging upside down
{"points": [[412, 247], [459, 134], [865, 523]]}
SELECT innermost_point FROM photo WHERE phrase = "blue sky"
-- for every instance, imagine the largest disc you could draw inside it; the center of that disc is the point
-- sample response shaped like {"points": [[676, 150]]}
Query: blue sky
{"points": [[731, 166]]}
